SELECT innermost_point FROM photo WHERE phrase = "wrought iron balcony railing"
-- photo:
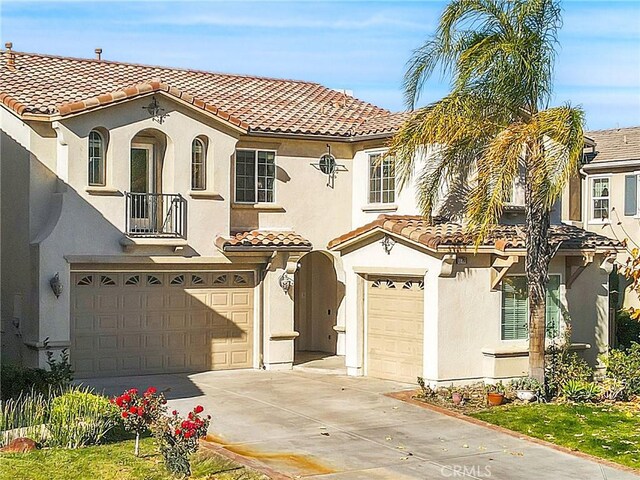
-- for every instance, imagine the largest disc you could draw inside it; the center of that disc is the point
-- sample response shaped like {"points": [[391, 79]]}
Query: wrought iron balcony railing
{"points": [[155, 215]]}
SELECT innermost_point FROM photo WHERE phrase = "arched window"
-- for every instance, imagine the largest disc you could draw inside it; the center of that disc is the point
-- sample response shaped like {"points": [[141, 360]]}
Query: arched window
{"points": [[97, 165], [198, 165]]}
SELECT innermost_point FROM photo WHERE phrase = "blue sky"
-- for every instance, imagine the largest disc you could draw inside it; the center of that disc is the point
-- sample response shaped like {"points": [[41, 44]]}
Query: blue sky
{"points": [[361, 46]]}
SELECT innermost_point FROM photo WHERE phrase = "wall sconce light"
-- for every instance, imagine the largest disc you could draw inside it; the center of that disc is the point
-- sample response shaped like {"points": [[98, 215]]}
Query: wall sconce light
{"points": [[285, 282], [156, 111], [56, 285], [387, 244]]}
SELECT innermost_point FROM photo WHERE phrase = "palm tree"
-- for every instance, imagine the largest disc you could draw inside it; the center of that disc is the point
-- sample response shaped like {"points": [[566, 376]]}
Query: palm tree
{"points": [[493, 126]]}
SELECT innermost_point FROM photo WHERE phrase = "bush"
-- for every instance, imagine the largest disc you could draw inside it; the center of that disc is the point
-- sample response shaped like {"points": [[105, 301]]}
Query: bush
{"points": [[526, 383], [627, 329], [24, 416], [79, 418], [563, 366], [624, 366], [16, 380], [580, 391]]}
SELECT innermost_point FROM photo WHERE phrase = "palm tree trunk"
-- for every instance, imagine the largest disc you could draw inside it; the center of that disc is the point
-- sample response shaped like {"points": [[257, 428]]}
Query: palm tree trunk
{"points": [[537, 270]]}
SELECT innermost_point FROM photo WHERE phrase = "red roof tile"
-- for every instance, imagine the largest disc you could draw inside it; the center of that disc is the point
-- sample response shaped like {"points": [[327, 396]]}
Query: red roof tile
{"points": [[447, 235], [48, 85], [264, 240]]}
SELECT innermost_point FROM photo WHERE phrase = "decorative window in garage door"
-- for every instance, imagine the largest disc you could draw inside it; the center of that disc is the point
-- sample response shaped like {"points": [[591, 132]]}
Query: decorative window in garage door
{"points": [[133, 280], [107, 281], [153, 280], [85, 281], [197, 280], [177, 280], [413, 285], [383, 283]]}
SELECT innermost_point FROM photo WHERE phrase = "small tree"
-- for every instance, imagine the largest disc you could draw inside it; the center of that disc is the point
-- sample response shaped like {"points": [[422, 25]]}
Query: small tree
{"points": [[140, 412]]}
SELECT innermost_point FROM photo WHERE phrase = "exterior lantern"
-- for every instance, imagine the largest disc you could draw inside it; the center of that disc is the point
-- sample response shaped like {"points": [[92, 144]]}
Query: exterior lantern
{"points": [[285, 282], [56, 285]]}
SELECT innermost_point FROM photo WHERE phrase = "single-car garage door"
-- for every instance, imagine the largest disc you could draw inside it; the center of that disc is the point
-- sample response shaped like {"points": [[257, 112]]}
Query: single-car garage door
{"points": [[395, 321], [157, 322]]}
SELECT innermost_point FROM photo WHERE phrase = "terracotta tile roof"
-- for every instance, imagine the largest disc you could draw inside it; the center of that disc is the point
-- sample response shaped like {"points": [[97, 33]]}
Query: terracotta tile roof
{"points": [[49, 85], [616, 144], [448, 235], [388, 123], [264, 240]]}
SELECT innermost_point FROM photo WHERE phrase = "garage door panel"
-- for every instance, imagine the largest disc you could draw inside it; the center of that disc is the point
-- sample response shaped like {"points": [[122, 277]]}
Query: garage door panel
{"points": [[107, 322], [136, 323], [153, 321], [131, 321], [395, 321], [176, 320], [107, 342], [131, 342]]}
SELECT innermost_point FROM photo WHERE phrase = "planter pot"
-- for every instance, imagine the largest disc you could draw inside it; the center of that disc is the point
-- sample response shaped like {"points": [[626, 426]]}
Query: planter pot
{"points": [[526, 395], [456, 398], [495, 399]]}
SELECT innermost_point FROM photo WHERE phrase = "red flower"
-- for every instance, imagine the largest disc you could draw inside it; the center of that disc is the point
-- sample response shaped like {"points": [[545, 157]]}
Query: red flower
{"points": [[198, 409], [133, 410], [150, 391], [140, 411], [133, 391], [187, 434], [126, 398], [178, 431], [125, 414], [175, 412]]}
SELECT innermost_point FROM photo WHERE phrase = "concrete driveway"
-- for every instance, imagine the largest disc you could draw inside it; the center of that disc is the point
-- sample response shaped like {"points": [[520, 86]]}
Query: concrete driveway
{"points": [[311, 425]]}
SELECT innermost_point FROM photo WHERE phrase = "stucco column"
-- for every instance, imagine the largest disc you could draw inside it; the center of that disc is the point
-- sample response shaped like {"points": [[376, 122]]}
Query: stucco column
{"points": [[278, 312]]}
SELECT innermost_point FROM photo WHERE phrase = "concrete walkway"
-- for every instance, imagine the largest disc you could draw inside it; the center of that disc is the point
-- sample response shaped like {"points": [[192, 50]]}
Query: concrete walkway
{"points": [[311, 425]]}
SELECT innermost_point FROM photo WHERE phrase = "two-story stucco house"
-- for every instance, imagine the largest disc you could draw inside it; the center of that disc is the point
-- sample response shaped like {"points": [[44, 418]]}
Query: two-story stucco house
{"points": [[605, 199], [169, 220]]}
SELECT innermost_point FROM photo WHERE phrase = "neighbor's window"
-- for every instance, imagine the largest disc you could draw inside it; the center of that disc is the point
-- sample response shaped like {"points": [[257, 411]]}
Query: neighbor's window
{"points": [[97, 175], [600, 198], [198, 165], [382, 181], [255, 176], [515, 307]]}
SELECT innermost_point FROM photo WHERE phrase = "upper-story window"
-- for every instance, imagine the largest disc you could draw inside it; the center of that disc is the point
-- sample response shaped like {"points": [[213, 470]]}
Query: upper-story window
{"points": [[198, 164], [97, 167], [382, 179], [631, 195], [255, 176], [600, 198]]}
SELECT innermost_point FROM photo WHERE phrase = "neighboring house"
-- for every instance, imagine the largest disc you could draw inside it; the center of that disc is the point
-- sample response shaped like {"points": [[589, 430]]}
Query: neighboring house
{"points": [[167, 220], [605, 200]]}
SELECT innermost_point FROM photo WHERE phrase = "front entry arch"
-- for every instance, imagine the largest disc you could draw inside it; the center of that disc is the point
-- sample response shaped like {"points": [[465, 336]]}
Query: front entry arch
{"points": [[316, 303]]}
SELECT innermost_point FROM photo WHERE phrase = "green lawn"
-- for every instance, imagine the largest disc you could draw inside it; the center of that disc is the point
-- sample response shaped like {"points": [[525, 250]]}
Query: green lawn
{"points": [[604, 431], [114, 461]]}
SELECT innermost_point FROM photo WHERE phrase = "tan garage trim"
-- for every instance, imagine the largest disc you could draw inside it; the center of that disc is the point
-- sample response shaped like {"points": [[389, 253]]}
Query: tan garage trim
{"points": [[130, 323], [395, 328]]}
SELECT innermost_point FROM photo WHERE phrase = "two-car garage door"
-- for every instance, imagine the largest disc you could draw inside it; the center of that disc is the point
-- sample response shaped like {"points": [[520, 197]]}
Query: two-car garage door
{"points": [[395, 320], [156, 322]]}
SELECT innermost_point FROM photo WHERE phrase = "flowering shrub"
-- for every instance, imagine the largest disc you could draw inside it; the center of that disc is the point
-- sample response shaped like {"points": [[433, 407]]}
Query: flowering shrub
{"points": [[139, 412], [177, 438]]}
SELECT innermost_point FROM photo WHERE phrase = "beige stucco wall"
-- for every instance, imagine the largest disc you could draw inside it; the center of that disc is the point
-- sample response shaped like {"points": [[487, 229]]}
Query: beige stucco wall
{"points": [[303, 200]]}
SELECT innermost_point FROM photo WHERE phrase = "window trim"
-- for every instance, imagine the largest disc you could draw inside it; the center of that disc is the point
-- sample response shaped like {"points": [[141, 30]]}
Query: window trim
{"points": [[103, 169], [255, 186], [590, 205], [561, 299], [205, 149], [370, 154]]}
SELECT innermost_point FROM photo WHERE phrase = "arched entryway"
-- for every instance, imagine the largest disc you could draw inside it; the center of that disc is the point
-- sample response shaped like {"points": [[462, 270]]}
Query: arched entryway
{"points": [[317, 297]]}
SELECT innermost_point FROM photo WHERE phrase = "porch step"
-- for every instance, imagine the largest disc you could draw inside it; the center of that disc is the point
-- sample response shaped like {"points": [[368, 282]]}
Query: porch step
{"points": [[316, 363]]}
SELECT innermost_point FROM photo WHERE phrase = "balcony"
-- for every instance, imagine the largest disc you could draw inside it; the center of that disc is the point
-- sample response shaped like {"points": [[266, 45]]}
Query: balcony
{"points": [[155, 215]]}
